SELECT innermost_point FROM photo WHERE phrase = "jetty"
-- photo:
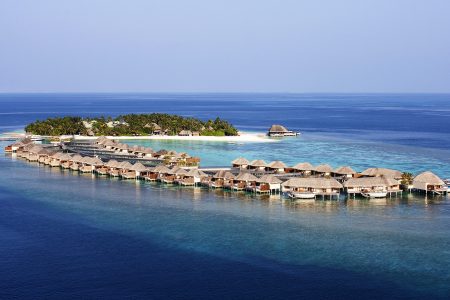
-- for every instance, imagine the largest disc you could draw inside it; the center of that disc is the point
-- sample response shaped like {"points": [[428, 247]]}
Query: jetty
{"points": [[303, 181]]}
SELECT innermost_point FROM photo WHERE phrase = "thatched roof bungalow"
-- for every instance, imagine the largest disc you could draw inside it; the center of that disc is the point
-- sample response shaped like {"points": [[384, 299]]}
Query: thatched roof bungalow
{"points": [[429, 182], [276, 166], [323, 170], [244, 181], [371, 184], [344, 171], [257, 165], [268, 184], [375, 172], [312, 186], [240, 163]]}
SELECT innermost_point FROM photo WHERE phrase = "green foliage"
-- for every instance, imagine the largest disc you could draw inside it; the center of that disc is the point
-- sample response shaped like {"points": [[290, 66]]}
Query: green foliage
{"points": [[132, 124], [407, 178]]}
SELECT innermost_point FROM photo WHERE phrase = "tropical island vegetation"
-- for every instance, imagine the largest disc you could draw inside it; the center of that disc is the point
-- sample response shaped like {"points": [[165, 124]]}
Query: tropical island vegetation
{"points": [[131, 125]]}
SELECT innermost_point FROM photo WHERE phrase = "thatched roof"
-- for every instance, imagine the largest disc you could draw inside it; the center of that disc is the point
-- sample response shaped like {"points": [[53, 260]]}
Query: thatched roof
{"points": [[277, 165], [324, 168], [268, 178], [196, 173], [240, 161], [246, 177], [161, 169], [76, 158], [304, 166], [162, 152], [220, 174], [382, 172], [258, 163], [124, 165], [428, 178], [345, 170], [278, 128], [112, 163], [138, 167], [95, 161], [371, 181], [181, 171], [312, 182], [35, 149]]}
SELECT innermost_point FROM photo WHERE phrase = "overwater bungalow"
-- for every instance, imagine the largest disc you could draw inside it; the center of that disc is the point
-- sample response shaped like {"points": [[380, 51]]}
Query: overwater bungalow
{"points": [[64, 160], [111, 164], [89, 164], [372, 187], [376, 172], [215, 181], [33, 152], [156, 173], [280, 131], [268, 184], [429, 182], [311, 187], [276, 167], [323, 170], [228, 180], [240, 163], [344, 172], [179, 175], [305, 168], [257, 165], [135, 171], [120, 168], [193, 177], [244, 181], [75, 161], [54, 160], [170, 175], [18, 146]]}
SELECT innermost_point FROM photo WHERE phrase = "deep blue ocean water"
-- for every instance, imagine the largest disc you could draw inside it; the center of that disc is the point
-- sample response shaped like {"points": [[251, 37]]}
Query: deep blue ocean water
{"points": [[64, 235]]}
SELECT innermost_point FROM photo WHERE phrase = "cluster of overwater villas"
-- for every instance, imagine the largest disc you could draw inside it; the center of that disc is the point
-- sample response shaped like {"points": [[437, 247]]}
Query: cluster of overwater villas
{"points": [[302, 181]]}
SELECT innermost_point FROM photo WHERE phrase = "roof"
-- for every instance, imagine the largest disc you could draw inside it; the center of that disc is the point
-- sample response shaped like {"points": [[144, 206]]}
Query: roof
{"points": [[161, 169], [124, 165], [139, 167], [112, 163], [246, 177], [278, 128], [196, 173], [370, 181], [313, 182], [344, 170], [181, 171], [277, 165], [324, 168], [382, 172], [268, 178], [258, 163], [428, 178], [304, 166], [240, 161]]}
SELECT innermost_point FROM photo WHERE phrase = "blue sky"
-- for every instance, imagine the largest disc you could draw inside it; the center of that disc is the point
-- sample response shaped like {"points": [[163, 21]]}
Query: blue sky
{"points": [[225, 46]]}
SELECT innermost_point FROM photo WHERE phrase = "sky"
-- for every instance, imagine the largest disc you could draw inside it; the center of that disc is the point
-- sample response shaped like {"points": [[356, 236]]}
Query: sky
{"points": [[300, 46]]}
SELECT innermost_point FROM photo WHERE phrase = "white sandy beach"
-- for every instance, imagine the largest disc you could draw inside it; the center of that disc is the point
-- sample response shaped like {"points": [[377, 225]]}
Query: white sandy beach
{"points": [[243, 137]]}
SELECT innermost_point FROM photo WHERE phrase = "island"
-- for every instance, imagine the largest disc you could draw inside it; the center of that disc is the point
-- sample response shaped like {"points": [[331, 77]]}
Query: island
{"points": [[131, 125]]}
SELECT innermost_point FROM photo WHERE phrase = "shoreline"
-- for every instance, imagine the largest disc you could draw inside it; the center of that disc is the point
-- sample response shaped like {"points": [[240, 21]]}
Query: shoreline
{"points": [[252, 137]]}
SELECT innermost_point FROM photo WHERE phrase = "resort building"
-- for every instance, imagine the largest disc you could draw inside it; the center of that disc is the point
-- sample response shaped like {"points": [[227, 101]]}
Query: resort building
{"points": [[323, 170], [372, 187], [257, 165], [244, 181], [311, 187], [268, 184], [305, 168], [276, 167], [375, 172], [344, 172], [428, 182], [240, 163], [280, 131]]}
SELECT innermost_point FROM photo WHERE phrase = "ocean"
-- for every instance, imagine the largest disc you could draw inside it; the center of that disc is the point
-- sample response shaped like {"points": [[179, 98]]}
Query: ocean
{"points": [[65, 235]]}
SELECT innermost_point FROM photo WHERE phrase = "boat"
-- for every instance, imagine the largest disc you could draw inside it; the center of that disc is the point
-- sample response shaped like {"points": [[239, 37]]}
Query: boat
{"points": [[301, 195], [374, 194]]}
